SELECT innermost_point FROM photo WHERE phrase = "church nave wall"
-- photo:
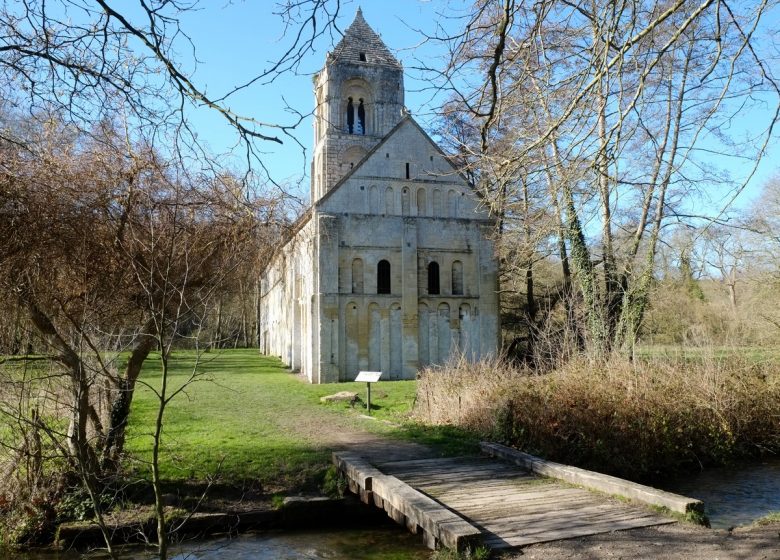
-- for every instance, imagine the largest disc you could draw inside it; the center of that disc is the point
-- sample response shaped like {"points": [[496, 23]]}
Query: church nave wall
{"points": [[373, 334]]}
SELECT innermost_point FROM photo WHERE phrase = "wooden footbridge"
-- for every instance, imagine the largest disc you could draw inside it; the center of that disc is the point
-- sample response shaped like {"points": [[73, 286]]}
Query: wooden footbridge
{"points": [[504, 499]]}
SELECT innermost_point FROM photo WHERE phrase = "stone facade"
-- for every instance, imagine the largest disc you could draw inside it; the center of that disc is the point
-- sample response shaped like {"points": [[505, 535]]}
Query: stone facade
{"points": [[393, 268]]}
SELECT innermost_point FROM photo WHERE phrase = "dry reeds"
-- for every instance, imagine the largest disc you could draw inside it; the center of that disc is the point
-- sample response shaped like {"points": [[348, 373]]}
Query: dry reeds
{"points": [[638, 420]]}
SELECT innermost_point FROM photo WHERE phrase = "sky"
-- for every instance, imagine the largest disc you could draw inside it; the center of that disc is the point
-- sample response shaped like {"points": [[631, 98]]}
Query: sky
{"points": [[237, 39]]}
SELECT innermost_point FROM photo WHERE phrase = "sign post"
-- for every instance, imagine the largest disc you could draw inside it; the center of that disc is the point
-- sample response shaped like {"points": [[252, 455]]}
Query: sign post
{"points": [[369, 377]]}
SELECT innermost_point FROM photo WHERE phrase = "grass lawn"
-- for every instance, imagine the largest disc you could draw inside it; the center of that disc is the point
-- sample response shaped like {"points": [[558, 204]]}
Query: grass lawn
{"points": [[249, 414], [679, 352], [26, 382]]}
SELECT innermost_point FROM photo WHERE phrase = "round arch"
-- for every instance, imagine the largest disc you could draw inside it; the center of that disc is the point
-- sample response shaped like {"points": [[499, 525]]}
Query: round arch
{"points": [[351, 155], [356, 107]]}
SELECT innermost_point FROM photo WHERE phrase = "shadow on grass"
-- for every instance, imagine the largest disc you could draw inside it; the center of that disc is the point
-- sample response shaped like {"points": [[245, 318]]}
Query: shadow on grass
{"points": [[223, 362], [446, 440], [254, 421], [254, 473]]}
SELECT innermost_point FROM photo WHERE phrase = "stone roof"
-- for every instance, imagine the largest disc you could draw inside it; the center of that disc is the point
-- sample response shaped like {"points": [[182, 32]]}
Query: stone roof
{"points": [[360, 38]]}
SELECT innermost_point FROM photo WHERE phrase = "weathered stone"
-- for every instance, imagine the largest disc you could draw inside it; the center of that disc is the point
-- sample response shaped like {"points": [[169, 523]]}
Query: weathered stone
{"points": [[393, 267], [341, 396], [408, 506], [595, 480]]}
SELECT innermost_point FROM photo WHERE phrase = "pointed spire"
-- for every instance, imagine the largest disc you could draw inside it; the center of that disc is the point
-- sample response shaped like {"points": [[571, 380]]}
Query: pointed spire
{"points": [[362, 44]]}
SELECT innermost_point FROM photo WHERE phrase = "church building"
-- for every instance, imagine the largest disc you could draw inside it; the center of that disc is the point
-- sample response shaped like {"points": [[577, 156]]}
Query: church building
{"points": [[393, 267]]}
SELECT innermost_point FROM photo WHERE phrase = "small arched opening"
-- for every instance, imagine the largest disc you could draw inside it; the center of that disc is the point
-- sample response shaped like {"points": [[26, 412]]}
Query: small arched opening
{"points": [[389, 201], [361, 120], [405, 201], [357, 276], [356, 106], [351, 156], [350, 116], [422, 203], [434, 287], [383, 277], [457, 278]]}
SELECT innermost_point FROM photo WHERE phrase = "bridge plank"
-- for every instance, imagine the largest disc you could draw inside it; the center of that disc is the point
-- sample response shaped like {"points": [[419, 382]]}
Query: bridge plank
{"points": [[455, 499], [595, 480]]}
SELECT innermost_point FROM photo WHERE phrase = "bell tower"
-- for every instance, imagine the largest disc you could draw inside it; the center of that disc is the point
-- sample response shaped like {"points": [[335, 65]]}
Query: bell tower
{"points": [[359, 96]]}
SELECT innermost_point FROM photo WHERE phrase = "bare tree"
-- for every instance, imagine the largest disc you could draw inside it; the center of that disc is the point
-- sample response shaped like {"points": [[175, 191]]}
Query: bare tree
{"points": [[763, 220], [622, 108], [87, 61], [96, 233], [194, 239], [113, 241], [744, 255]]}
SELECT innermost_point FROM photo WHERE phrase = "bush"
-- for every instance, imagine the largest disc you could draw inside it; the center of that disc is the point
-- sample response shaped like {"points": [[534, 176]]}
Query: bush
{"points": [[636, 420], [334, 483]]}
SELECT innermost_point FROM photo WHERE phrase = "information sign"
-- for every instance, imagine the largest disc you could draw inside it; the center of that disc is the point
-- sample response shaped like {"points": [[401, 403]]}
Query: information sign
{"points": [[369, 377]]}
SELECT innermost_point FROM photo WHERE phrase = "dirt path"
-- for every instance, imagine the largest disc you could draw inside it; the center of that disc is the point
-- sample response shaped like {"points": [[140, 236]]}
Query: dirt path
{"points": [[333, 431], [667, 542]]}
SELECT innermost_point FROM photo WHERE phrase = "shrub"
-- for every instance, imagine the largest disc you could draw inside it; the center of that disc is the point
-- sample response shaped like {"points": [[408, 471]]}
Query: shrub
{"points": [[636, 420], [334, 483]]}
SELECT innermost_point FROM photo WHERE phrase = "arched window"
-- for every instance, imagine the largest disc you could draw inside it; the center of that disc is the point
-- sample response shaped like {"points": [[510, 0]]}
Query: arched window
{"points": [[437, 204], [383, 277], [352, 155], [361, 118], [318, 118], [452, 204], [373, 200], [433, 278], [422, 203], [356, 102], [457, 278], [357, 276], [350, 115], [405, 203], [389, 201]]}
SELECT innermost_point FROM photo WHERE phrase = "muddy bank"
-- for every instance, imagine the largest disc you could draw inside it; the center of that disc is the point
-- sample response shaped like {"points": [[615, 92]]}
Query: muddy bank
{"points": [[294, 513]]}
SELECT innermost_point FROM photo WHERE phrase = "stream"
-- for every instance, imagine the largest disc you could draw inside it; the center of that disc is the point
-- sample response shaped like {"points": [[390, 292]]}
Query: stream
{"points": [[736, 495], [391, 543]]}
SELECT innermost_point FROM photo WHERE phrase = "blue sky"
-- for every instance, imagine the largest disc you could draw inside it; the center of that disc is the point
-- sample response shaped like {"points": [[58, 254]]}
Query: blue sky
{"points": [[236, 40]]}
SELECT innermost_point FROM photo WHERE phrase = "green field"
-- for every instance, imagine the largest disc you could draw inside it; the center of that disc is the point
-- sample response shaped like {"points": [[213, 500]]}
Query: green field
{"points": [[755, 354], [246, 417]]}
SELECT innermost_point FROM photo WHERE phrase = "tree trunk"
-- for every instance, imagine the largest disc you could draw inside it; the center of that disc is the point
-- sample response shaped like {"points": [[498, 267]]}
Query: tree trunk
{"points": [[244, 321], [159, 503], [731, 283], [611, 302], [258, 334], [123, 398], [636, 298], [78, 442], [217, 340]]}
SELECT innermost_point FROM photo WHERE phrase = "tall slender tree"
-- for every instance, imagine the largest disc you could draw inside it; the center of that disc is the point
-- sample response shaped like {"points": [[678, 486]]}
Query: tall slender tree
{"points": [[625, 109]]}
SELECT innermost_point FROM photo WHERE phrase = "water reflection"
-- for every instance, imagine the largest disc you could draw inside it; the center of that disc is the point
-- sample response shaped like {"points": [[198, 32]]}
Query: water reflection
{"points": [[392, 543], [735, 495]]}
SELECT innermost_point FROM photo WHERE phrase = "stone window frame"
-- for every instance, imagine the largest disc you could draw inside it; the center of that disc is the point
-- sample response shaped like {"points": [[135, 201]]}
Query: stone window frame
{"points": [[434, 278], [457, 278], [384, 277]]}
